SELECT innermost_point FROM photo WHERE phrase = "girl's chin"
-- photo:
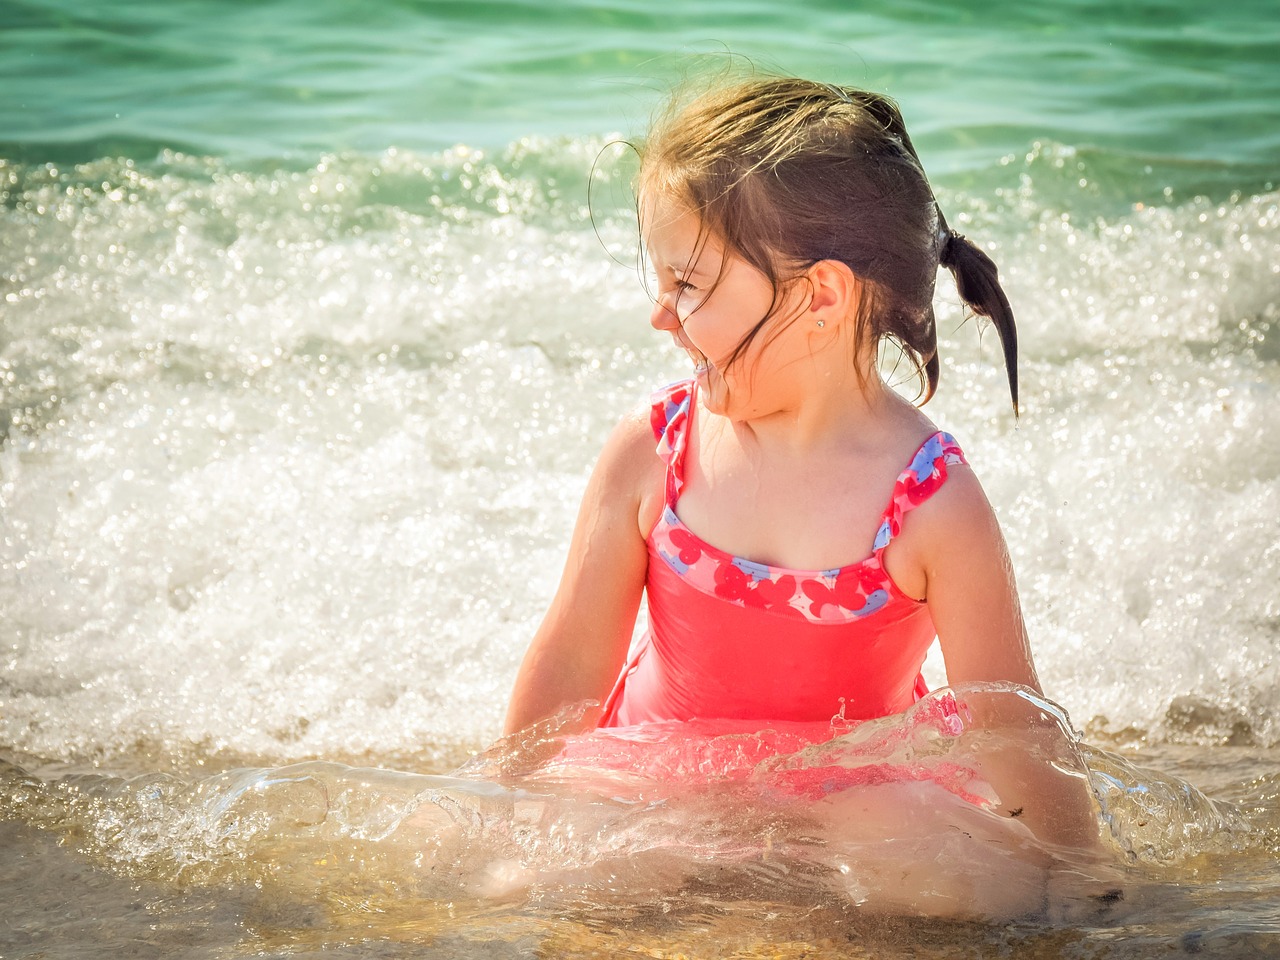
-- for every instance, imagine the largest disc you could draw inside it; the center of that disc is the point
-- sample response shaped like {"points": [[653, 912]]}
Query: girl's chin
{"points": [[702, 376], [713, 392]]}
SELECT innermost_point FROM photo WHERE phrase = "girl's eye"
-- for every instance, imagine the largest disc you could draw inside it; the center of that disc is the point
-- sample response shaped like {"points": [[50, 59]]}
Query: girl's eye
{"points": [[684, 286]]}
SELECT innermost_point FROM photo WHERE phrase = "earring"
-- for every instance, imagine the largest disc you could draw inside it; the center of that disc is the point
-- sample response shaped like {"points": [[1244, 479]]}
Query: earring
{"points": [[822, 323]]}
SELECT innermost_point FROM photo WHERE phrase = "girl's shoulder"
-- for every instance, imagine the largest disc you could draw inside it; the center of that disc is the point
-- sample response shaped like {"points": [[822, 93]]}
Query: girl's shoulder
{"points": [[629, 469], [940, 510], [629, 451], [640, 446], [955, 513], [937, 475]]}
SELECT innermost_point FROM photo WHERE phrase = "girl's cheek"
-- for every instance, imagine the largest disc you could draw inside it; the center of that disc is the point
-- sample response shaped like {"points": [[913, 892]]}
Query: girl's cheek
{"points": [[690, 302]]}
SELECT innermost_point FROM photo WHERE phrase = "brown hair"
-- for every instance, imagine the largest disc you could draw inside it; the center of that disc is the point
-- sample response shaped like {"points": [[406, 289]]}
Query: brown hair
{"points": [[788, 172]]}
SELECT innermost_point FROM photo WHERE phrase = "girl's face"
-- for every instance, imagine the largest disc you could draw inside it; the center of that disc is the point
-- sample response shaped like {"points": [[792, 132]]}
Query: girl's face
{"points": [[708, 301]]}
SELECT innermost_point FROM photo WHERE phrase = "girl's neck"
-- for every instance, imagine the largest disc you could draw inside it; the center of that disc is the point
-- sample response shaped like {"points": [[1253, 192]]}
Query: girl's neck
{"points": [[832, 412]]}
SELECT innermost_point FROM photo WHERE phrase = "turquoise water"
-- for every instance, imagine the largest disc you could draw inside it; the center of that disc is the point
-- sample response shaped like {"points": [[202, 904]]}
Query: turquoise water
{"points": [[1173, 83], [309, 336]]}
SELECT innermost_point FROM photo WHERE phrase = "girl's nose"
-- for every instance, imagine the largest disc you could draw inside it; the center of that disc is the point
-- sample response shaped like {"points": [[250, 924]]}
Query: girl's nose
{"points": [[664, 316]]}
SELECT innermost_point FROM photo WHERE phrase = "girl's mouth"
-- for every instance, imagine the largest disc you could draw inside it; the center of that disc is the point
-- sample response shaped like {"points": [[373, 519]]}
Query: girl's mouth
{"points": [[700, 363]]}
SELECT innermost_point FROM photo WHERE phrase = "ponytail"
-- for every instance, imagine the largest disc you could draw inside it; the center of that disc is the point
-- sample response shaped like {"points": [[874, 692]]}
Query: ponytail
{"points": [[975, 273], [979, 287]]}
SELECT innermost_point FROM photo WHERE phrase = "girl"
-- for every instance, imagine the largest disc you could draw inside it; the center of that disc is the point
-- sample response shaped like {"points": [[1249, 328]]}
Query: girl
{"points": [[801, 532]]}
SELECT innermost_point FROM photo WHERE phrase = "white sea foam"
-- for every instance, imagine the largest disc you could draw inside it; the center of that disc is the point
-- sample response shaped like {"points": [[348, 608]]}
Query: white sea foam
{"points": [[292, 458]]}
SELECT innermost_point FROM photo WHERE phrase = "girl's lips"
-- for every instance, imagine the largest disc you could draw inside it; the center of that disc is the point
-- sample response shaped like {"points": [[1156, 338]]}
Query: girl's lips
{"points": [[700, 362]]}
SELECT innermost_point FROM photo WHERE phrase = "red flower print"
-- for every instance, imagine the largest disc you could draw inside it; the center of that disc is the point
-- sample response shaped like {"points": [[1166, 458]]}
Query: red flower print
{"points": [[690, 546], [848, 589], [918, 492], [731, 582], [822, 596], [774, 595]]}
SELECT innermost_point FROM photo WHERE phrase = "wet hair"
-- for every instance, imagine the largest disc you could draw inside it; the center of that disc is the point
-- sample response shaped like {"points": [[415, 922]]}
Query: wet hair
{"points": [[788, 172]]}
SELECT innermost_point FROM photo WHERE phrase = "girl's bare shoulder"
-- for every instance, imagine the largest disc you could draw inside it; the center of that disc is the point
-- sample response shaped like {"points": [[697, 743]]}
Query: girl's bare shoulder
{"points": [[957, 514], [629, 469]]}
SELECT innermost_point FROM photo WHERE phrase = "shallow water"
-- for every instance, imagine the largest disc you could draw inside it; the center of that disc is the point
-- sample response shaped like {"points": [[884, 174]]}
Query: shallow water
{"points": [[608, 851], [297, 400]]}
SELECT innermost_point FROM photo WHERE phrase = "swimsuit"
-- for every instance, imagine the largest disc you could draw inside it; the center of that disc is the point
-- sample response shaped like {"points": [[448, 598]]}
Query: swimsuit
{"points": [[730, 638]]}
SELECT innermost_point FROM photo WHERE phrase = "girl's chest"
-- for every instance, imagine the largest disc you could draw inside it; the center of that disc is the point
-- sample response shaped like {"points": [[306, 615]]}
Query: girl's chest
{"points": [[802, 516]]}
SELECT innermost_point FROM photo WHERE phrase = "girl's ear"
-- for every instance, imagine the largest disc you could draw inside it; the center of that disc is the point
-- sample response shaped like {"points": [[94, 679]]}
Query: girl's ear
{"points": [[835, 291]]}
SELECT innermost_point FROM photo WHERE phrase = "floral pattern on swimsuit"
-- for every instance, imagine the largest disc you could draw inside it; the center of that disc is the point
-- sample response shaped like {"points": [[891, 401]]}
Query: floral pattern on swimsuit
{"points": [[821, 596]]}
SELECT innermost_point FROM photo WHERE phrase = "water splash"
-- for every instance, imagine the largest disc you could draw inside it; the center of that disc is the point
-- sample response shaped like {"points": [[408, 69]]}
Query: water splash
{"points": [[896, 815]]}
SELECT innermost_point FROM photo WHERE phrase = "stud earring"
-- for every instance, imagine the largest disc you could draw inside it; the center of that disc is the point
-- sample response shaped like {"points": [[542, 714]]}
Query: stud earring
{"points": [[822, 323]]}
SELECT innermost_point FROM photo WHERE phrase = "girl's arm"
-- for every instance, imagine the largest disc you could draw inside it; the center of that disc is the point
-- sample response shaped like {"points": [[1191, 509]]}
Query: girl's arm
{"points": [[974, 604], [578, 651], [969, 586]]}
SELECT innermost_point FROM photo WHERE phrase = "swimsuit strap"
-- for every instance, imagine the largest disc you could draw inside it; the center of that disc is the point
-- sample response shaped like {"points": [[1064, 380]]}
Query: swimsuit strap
{"points": [[669, 418], [921, 479]]}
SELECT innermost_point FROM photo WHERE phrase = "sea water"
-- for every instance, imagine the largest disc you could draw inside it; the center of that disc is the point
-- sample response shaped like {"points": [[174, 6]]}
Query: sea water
{"points": [[313, 319]]}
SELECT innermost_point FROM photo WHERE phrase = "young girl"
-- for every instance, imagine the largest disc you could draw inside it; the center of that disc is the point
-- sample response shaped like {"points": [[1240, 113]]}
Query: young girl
{"points": [[800, 531]]}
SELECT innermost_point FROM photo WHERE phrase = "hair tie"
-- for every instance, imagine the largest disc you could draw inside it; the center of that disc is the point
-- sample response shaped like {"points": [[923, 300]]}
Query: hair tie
{"points": [[945, 236], [946, 241]]}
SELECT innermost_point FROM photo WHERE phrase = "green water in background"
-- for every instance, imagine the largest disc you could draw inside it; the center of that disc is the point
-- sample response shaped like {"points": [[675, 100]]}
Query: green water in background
{"points": [[1184, 91]]}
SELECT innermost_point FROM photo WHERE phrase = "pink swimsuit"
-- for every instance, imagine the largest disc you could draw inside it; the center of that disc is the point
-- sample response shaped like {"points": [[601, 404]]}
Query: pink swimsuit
{"points": [[730, 638]]}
